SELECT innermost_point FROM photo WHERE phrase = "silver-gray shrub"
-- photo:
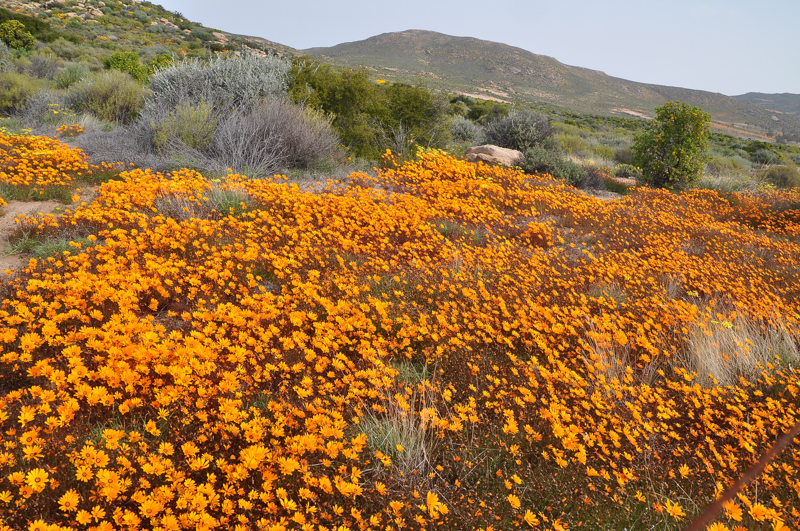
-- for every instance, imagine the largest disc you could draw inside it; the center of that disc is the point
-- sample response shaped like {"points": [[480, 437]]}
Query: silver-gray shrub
{"points": [[45, 107], [6, 65], [520, 130], [229, 82], [465, 130], [275, 134]]}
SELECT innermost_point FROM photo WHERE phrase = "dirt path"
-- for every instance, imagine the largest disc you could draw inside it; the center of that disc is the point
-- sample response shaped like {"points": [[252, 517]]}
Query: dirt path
{"points": [[29, 208], [7, 227]]}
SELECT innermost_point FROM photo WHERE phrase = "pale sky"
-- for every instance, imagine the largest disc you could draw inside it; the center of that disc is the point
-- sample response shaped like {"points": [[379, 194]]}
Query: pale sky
{"points": [[727, 46]]}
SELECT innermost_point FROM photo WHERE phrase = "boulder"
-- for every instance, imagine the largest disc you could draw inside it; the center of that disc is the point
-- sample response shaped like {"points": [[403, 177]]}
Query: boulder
{"points": [[494, 155]]}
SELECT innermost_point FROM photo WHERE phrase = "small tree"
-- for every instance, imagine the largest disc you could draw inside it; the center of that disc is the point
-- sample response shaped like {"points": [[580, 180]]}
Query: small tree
{"points": [[672, 151], [13, 33]]}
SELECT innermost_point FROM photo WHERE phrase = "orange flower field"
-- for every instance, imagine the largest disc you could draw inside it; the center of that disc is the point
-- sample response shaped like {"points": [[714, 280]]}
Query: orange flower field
{"points": [[39, 162], [440, 345]]}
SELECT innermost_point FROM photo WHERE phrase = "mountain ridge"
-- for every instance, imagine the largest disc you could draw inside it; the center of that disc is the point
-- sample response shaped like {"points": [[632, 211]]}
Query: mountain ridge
{"points": [[509, 73]]}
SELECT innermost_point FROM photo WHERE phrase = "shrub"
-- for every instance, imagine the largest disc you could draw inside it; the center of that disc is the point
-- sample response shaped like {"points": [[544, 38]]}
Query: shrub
{"points": [[540, 160], [572, 144], [765, 156], [43, 67], [727, 165], [71, 74], [160, 29], [672, 151], [274, 135], [127, 62], [112, 96], [604, 152], [465, 130], [410, 117], [13, 33], [370, 117], [200, 33], [222, 82], [783, 176], [162, 60], [520, 130], [624, 155], [15, 89], [6, 65], [626, 171], [46, 108], [347, 95], [192, 125], [594, 178]]}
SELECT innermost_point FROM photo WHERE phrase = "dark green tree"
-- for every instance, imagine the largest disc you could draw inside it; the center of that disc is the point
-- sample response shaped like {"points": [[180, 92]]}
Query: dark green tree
{"points": [[672, 151]]}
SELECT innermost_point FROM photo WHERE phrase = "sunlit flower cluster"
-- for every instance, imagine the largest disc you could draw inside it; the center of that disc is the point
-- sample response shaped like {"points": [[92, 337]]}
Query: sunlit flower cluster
{"points": [[440, 344], [69, 130], [39, 162]]}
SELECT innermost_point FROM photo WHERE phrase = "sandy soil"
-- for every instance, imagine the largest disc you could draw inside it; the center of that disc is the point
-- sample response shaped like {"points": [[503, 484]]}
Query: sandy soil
{"points": [[8, 226], [28, 208]]}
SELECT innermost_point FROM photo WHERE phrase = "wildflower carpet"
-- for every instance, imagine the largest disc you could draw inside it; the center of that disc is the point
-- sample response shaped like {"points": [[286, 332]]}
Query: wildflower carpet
{"points": [[442, 344]]}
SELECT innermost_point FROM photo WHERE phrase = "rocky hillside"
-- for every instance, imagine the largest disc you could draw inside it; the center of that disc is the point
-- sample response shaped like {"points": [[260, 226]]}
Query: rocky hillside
{"points": [[130, 25]]}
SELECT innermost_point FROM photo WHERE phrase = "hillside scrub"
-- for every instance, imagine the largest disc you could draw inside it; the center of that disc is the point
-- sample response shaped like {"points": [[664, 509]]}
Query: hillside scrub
{"points": [[439, 344]]}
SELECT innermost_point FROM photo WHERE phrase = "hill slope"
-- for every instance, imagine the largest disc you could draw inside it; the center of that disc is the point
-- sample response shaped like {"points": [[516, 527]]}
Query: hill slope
{"points": [[477, 66], [781, 103], [112, 25]]}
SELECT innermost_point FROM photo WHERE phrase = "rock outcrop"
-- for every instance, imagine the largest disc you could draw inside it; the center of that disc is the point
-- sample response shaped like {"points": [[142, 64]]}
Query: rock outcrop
{"points": [[494, 155]]}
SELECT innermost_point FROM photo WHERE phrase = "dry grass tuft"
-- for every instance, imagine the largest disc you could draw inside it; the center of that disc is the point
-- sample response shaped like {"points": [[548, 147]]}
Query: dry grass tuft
{"points": [[724, 352]]}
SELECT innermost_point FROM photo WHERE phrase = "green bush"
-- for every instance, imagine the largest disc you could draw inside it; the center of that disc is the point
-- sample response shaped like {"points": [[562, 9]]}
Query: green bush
{"points": [[765, 156], [16, 89], [479, 111], [572, 144], [784, 176], [192, 125], [162, 60], [369, 117], [520, 130], [127, 62], [347, 95], [14, 34], [540, 160], [672, 151], [727, 166], [603, 151], [112, 96], [411, 117], [70, 75], [199, 33]]}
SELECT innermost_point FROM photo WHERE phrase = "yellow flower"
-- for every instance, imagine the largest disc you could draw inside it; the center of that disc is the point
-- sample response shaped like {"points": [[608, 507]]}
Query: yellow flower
{"points": [[69, 501], [37, 479]]}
